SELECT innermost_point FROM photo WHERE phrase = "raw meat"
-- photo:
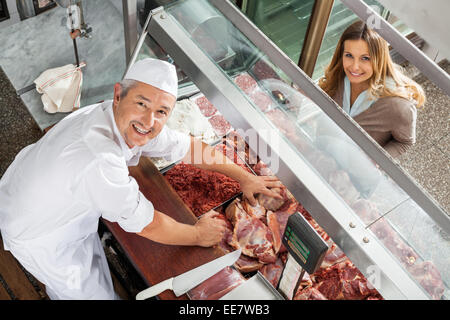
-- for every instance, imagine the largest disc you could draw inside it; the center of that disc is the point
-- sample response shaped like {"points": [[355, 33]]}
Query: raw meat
{"points": [[275, 228], [283, 123], [229, 152], [271, 203], [206, 107], [189, 182], [246, 83], [220, 125], [340, 181], [342, 281], [309, 293], [272, 271], [333, 256], [218, 285], [394, 243], [261, 169], [257, 211], [250, 234], [262, 71], [261, 100], [366, 210], [429, 277], [246, 264], [323, 163]]}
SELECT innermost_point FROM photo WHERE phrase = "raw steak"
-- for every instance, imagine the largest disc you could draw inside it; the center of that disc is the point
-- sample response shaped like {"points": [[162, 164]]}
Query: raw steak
{"points": [[429, 277], [217, 286], [262, 71], [246, 264], [272, 271], [246, 83], [333, 256], [220, 125], [257, 211], [269, 202], [309, 293], [250, 234], [206, 107]]}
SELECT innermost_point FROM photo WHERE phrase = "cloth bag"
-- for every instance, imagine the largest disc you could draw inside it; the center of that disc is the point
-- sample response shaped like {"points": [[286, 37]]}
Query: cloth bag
{"points": [[60, 88]]}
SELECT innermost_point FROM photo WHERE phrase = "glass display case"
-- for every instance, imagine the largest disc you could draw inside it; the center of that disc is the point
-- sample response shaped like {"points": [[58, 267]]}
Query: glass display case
{"points": [[388, 226]]}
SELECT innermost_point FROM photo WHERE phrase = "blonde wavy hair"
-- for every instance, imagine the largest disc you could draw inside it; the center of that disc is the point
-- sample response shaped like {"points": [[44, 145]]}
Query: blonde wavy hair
{"points": [[382, 64]]}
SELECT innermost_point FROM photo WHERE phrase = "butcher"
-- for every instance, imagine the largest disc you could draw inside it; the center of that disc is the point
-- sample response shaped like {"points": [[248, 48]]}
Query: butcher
{"points": [[55, 191]]}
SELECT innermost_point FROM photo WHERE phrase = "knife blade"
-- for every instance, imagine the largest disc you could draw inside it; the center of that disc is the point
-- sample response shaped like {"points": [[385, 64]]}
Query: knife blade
{"points": [[192, 278]]}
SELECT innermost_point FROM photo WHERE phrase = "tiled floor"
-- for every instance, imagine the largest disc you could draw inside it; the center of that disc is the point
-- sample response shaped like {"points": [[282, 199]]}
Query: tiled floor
{"points": [[428, 161]]}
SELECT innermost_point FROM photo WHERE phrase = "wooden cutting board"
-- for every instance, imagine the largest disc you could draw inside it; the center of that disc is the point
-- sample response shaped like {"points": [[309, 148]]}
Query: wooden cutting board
{"points": [[156, 262]]}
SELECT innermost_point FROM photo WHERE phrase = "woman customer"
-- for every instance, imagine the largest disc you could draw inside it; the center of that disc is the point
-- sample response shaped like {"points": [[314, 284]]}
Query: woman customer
{"points": [[365, 82]]}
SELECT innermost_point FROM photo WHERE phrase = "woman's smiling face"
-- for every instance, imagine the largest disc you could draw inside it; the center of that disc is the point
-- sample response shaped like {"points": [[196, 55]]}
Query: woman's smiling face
{"points": [[356, 61]]}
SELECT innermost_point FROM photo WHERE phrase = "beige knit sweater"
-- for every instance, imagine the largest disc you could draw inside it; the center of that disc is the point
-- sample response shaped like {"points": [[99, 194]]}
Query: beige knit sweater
{"points": [[390, 121]]}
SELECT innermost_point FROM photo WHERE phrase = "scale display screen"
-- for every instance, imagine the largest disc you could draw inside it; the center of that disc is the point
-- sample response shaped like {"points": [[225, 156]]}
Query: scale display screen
{"points": [[304, 243]]}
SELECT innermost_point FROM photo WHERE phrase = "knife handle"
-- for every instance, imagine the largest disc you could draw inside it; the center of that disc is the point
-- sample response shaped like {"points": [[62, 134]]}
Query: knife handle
{"points": [[155, 290]]}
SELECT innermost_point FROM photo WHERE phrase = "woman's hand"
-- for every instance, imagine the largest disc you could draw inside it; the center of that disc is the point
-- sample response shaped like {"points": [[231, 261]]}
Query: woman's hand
{"points": [[252, 185], [210, 230]]}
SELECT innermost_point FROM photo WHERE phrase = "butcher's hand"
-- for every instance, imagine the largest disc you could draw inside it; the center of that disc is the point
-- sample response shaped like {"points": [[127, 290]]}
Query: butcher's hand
{"points": [[252, 185], [210, 230]]}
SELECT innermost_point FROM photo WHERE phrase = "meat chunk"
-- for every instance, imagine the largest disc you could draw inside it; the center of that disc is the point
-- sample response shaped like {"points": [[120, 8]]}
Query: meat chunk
{"points": [[246, 264], [271, 203], [218, 285], [309, 293], [272, 271], [429, 277], [257, 211], [235, 212], [333, 256], [250, 234], [206, 107], [220, 125], [246, 83], [343, 281]]}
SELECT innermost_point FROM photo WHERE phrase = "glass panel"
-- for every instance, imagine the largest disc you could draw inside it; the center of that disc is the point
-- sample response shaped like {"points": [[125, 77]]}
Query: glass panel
{"points": [[421, 247], [310, 132], [284, 22], [340, 18]]}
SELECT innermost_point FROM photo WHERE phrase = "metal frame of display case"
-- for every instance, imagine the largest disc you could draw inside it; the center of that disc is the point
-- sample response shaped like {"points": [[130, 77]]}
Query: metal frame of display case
{"points": [[344, 121], [326, 206], [329, 209], [427, 66]]}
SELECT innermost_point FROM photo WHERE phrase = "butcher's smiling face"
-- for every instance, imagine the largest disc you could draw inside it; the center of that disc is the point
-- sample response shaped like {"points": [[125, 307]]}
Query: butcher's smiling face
{"points": [[141, 114]]}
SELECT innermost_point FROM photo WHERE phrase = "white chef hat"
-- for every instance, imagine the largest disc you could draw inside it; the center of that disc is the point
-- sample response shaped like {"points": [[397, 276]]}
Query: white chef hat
{"points": [[157, 73]]}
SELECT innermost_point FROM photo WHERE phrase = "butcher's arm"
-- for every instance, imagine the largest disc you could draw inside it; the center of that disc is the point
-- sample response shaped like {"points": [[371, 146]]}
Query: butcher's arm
{"points": [[163, 229], [206, 157]]}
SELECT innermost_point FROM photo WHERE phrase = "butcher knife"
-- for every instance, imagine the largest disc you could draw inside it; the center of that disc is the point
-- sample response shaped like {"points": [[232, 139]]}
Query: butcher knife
{"points": [[192, 278]]}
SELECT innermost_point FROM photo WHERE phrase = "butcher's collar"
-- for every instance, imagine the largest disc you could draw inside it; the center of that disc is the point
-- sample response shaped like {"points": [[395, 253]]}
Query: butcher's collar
{"points": [[128, 152]]}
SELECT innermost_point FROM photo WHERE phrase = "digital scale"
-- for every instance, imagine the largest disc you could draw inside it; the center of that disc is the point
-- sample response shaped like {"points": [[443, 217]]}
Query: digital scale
{"points": [[306, 250]]}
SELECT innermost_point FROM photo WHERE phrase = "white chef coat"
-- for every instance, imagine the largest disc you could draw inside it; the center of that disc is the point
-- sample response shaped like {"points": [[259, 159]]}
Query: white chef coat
{"points": [[54, 192]]}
